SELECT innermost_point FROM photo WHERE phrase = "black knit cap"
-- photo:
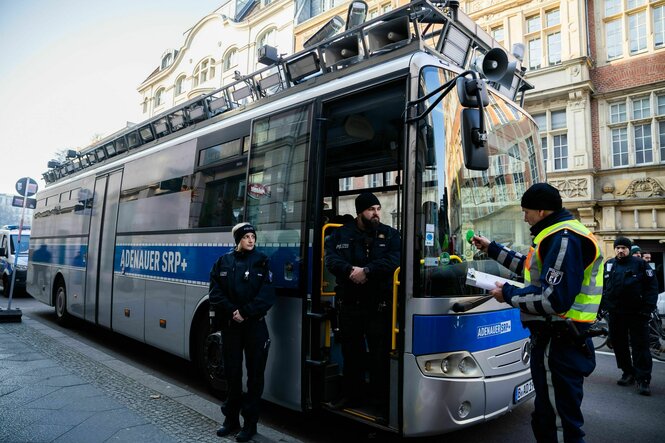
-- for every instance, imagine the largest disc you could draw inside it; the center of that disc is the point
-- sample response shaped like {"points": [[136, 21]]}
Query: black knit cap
{"points": [[240, 232], [366, 200], [623, 241], [542, 196]]}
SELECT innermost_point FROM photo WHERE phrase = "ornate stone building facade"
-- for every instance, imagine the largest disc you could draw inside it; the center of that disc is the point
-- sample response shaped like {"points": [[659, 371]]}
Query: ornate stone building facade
{"points": [[220, 44], [599, 73]]}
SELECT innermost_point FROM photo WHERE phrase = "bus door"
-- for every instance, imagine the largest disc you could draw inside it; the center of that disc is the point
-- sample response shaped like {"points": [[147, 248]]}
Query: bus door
{"points": [[101, 244], [362, 151]]}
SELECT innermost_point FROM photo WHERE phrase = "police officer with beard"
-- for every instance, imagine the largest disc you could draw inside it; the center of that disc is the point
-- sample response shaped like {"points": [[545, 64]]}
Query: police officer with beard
{"points": [[363, 255], [240, 296], [630, 293], [558, 304]]}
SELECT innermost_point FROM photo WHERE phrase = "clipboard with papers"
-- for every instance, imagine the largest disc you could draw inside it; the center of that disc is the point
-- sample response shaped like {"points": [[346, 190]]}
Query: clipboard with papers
{"points": [[487, 281]]}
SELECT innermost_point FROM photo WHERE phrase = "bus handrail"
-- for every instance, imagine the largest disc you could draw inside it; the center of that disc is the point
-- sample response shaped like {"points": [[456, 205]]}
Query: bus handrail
{"points": [[395, 329]]}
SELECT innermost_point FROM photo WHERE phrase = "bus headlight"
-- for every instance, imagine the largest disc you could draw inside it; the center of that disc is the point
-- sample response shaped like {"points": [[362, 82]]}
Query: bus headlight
{"points": [[459, 364]]}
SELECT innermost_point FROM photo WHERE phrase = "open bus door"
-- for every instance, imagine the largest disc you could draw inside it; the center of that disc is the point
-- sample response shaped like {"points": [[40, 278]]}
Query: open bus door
{"points": [[360, 147]]}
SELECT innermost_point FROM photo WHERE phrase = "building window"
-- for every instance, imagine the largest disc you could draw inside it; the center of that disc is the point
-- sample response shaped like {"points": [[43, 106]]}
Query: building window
{"points": [[230, 59], [180, 85], [638, 32], [544, 27], [167, 60], [345, 184], [552, 126], [203, 72], [498, 34], [633, 26], [159, 97], [659, 26], [619, 147], [635, 125]]}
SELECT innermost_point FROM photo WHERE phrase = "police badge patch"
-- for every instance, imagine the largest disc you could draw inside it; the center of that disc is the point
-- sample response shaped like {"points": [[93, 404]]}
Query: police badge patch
{"points": [[649, 273], [553, 276]]}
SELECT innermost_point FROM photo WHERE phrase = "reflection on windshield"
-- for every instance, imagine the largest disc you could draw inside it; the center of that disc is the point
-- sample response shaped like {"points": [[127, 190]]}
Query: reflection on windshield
{"points": [[25, 240], [456, 202]]}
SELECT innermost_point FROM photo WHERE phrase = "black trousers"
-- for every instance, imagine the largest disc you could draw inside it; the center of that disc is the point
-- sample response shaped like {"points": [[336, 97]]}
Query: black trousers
{"points": [[251, 338], [365, 339], [631, 332], [558, 368]]}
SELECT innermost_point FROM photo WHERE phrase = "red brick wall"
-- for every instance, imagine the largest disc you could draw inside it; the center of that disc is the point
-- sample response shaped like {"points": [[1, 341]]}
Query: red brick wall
{"points": [[630, 72]]}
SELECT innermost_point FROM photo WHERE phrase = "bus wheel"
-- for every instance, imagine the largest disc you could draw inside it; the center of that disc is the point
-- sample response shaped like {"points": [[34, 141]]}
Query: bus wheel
{"points": [[208, 356], [61, 303]]}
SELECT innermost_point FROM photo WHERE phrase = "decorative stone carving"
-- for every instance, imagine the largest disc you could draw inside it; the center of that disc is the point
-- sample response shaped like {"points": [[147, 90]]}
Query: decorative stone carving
{"points": [[608, 188], [572, 187], [643, 187]]}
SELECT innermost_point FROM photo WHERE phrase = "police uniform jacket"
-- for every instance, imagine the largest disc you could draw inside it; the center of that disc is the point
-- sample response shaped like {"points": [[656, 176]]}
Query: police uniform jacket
{"points": [[376, 249], [630, 286], [240, 280], [555, 292]]}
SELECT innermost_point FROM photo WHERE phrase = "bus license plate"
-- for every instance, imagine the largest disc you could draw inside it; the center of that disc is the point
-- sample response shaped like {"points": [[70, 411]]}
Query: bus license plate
{"points": [[523, 390]]}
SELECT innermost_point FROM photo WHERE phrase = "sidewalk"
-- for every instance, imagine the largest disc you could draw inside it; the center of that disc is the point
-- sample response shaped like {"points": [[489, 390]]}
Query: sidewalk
{"points": [[54, 388]]}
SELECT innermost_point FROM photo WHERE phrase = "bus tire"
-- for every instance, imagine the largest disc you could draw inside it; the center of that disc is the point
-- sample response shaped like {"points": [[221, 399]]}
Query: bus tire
{"points": [[60, 302], [208, 355]]}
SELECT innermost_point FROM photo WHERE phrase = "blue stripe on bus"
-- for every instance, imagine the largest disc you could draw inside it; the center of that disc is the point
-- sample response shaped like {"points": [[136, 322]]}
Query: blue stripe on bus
{"points": [[191, 263], [470, 332]]}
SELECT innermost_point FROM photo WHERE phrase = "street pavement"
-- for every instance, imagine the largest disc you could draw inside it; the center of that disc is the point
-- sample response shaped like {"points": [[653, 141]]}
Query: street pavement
{"points": [[53, 388]]}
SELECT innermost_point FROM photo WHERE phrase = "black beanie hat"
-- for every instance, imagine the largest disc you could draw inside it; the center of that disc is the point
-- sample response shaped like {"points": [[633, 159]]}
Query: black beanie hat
{"points": [[366, 200], [240, 231], [542, 196], [623, 241]]}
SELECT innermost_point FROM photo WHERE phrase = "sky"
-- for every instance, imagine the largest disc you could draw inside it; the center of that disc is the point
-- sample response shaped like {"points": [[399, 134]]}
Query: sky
{"points": [[69, 70]]}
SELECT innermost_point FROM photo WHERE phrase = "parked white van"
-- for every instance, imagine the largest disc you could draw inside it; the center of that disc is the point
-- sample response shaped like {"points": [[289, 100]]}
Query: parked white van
{"points": [[9, 248]]}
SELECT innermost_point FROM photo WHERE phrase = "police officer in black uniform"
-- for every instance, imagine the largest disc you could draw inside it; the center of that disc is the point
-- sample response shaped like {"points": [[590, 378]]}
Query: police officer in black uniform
{"points": [[363, 255], [630, 293], [240, 296]]}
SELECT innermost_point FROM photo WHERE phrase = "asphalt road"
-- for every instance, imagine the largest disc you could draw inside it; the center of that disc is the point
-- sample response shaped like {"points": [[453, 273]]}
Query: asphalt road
{"points": [[612, 413]]}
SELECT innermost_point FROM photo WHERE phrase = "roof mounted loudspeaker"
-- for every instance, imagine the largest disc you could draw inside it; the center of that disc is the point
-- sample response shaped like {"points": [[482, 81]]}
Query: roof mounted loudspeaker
{"points": [[389, 35], [341, 50], [493, 65]]}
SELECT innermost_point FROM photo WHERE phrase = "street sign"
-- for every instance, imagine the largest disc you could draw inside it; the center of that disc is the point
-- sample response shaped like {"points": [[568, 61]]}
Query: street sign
{"points": [[18, 202], [26, 187]]}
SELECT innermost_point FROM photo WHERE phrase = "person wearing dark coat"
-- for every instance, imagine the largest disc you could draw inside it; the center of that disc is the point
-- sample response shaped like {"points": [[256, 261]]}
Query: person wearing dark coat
{"points": [[240, 297], [363, 255], [630, 293], [560, 300]]}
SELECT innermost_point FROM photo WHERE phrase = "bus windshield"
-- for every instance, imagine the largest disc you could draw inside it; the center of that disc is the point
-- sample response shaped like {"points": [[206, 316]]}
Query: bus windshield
{"points": [[456, 202]]}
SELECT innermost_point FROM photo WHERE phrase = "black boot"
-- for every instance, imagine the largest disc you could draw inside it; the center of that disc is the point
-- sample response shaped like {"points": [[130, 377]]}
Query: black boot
{"points": [[626, 380], [228, 427], [248, 431], [643, 388]]}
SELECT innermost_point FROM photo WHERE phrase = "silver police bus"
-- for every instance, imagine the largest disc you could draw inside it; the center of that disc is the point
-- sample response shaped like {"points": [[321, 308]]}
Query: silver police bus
{"points": [[417, 106]]}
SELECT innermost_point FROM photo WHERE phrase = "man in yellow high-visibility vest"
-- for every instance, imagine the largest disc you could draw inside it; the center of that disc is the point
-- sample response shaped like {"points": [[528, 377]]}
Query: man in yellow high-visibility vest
{"points": [[563, 287]]}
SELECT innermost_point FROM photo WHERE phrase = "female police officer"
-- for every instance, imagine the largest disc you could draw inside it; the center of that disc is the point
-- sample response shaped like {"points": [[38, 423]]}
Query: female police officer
{"points": [[240, 296]]}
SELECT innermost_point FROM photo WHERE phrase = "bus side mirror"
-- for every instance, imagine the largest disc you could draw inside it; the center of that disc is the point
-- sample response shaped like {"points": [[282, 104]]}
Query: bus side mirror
{"points": [[3, 252], [474, 143]]}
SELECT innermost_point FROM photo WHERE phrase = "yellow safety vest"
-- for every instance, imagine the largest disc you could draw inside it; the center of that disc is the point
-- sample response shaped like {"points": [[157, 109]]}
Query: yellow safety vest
{"points": [[585, 306]]}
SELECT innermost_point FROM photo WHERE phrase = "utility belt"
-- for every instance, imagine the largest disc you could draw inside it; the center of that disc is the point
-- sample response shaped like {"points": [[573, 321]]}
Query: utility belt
{"points": [[565, 332]]}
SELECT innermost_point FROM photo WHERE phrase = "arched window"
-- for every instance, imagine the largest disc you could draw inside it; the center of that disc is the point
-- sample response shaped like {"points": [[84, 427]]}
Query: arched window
{"points": [[167, 60], [203, 72], [159, 97], [230, 59], [180, 85]]}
